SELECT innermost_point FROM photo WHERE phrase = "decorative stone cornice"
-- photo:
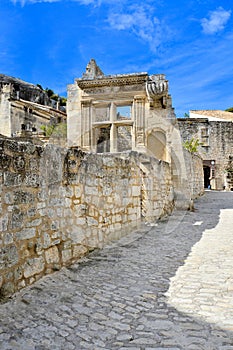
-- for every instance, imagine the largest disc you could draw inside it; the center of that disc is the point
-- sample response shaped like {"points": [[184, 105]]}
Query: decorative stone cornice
{"points": [[113, 80]]}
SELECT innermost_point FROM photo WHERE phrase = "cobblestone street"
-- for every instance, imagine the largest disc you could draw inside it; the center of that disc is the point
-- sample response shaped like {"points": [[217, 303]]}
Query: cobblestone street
{"points": [[166, 287]]}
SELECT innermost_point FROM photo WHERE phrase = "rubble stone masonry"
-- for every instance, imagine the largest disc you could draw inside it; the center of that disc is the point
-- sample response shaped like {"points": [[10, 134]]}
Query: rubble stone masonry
{"points": [[57, 204]]}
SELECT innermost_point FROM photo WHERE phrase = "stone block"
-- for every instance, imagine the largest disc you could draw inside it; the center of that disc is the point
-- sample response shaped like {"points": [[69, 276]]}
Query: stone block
{"points": [[17, 217], [91, 190], [12, 179], [33, 266], [109, 161], [19, 163], [23, 197], [77, 235], [8, 238], [91, 221], [32, 180], [79, 251], [34, 223], [46, 240], [66, 255], [7, 288], [52, 255], [26, 233], [136, 191], [8, 256], [3, 223], [80, 221]]}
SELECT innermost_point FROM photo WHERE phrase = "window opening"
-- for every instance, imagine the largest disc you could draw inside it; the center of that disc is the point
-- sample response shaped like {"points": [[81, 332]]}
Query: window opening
{"points": [[103, 140], [123, 112]]}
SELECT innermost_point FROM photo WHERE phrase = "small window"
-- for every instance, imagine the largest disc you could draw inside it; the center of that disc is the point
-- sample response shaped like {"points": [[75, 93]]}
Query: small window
{"points": [[205, 137], [212, 172]]}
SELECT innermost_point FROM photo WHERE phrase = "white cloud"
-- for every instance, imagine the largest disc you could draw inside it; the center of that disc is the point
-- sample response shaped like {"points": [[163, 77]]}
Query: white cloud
{"points": [[140, 21], [216, 21], [82, 2]]}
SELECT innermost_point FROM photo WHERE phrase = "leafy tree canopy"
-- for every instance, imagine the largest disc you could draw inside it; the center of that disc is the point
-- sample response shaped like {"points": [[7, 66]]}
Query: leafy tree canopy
{"points": [[51, 94], [229, 109], [192, 145], [59, 130]]}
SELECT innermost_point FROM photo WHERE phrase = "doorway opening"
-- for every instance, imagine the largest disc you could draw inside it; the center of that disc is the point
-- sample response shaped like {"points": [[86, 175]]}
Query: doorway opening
{"points": [[206, 170]]}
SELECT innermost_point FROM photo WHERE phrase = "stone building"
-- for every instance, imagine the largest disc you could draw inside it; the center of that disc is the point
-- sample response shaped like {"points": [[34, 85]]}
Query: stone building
{"points": [[127, 112], [126, 167], [120, 112], [214, 129], [24, 106]]}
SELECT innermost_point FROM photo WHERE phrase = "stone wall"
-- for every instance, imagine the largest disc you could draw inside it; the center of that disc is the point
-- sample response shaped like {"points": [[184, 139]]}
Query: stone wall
{"points": [[217, 145], [195, 178], [57, 204]]}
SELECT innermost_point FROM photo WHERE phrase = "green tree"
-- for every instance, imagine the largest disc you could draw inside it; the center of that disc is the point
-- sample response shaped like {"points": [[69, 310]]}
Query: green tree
{"points": [[59, 130], [51, 94], [229, 109], [192, 145], [39, 86]]}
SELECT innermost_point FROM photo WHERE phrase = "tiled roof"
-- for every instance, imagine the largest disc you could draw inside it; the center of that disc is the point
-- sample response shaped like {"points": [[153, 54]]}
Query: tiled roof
{"points": [[214, 113]]}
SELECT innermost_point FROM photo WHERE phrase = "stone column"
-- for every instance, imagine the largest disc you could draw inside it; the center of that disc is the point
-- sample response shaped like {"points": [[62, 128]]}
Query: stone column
{"points": [[74, 116], [86, 125], [5, 111], [139, 123]]}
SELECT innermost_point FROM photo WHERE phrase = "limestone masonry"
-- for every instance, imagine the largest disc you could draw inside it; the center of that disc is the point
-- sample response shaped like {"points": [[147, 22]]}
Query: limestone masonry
{"points": [[124, 164], [57, 204], [25, 107], [214, 129]]}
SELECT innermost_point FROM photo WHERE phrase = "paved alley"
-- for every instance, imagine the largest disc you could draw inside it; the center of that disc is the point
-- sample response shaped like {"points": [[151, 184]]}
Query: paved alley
{"points": [[166, 287]]}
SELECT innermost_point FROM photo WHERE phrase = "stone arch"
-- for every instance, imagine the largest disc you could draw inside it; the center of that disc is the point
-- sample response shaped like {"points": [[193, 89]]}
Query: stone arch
{"points": [[157, 144]]}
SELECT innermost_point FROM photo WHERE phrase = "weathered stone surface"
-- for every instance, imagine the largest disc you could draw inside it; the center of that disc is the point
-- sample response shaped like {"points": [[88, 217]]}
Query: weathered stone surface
{"points": [[12, 179], [52, 255], [33, 266], [26, 233], [48, 221], [134, 293], [216, 149], [8, 256]]}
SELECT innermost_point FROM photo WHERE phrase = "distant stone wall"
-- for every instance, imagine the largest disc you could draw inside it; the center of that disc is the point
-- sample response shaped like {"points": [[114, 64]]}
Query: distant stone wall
{"points": [[57, 204], [217, 144]]}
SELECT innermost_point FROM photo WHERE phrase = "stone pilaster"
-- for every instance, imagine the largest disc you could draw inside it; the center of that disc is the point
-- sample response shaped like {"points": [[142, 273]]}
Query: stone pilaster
{"points": [[139, 122], [86, 123], [113, 131]]}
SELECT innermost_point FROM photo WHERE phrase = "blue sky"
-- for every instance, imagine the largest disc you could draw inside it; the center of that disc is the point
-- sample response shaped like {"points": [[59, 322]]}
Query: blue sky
{"points": [[50, 42]]}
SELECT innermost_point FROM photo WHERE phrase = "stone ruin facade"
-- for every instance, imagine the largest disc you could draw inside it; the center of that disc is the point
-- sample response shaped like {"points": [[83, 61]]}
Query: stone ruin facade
{"points": [[124, 166], [214, 130], [24, 108], [120, 112], [128, 112]]}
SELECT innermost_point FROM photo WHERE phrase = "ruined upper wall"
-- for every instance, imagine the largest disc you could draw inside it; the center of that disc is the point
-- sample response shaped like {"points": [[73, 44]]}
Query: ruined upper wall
{"points": [[22, 90]]}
